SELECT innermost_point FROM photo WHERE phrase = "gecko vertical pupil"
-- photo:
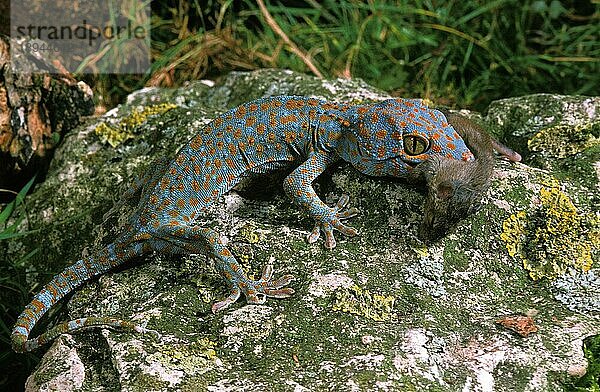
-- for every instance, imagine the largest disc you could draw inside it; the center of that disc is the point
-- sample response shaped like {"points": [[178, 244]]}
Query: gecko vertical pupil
{"points": [[415, 144]]}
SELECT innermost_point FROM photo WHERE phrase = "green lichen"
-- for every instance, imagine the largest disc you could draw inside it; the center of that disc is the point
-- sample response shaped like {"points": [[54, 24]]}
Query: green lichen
{"points": [[148, 382], [188, 357], [552, 238], [125, 129], [356, 300], [249, 234], [563, 140]]}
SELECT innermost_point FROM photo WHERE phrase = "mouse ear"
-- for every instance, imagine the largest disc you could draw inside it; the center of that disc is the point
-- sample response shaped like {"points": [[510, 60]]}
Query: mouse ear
{"points": [[444, 190]]}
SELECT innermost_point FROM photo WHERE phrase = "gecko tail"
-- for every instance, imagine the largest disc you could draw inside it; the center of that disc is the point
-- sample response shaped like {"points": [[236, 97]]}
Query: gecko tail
{"points": [[62, 284]]}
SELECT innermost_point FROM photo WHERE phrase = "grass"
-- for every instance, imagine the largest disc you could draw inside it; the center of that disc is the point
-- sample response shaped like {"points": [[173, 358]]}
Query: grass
{"points": [[14, 294], [462, 53]]}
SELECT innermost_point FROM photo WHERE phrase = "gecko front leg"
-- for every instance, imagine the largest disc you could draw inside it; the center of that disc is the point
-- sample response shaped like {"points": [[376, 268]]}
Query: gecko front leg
{"points": [[298, 185]]}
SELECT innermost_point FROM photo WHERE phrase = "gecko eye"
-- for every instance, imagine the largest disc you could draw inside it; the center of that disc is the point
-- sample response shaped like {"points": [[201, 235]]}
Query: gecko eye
{"points": [[415, 144]]}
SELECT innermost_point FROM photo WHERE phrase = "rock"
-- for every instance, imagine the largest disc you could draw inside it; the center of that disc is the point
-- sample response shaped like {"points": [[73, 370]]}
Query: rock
{"points": [[36, 110], [381, 311]]}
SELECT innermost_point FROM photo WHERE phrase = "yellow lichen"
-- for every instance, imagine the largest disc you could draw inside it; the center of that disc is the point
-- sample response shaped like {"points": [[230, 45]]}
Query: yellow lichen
{"points": [[564, 140], [248, 233], [356, 300], [125, 129], [513, 233], [552, 238]]}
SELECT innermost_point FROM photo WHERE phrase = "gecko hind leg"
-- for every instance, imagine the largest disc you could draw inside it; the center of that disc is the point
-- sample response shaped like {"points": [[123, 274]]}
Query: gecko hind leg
{"points": [[196, 239]]}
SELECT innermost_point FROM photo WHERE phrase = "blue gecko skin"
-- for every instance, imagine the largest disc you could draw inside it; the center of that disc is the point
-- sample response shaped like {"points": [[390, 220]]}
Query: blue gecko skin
{"points": [[388, 138]]}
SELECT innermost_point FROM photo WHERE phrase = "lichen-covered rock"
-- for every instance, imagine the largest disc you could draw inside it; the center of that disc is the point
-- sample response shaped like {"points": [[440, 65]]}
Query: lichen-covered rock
{"points": [[36, 109], [380, 311]]}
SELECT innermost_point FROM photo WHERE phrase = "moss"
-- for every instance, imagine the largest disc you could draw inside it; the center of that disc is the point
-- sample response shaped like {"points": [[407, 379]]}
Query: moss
{"points": [[148, 382], [552, 238], [356, 300], [591, 380], [125, 129], [563, 140]]}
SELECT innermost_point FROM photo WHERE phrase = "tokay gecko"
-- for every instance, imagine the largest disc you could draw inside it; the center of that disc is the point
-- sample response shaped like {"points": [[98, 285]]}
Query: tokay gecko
{"points": [[389, 138]]}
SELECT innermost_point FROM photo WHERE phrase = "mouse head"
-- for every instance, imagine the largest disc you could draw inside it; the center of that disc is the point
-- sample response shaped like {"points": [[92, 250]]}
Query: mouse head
{"points": [[454, 190], [393, 136]]}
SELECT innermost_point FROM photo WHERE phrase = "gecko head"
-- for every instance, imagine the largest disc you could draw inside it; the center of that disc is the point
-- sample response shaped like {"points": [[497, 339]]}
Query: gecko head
{"points": [[453, 193], [392, 136]]}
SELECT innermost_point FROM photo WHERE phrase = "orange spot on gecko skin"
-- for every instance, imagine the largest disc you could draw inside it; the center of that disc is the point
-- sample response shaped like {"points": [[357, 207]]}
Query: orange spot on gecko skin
{"points": [[218, 163], [276, 103], [196, 186], [264, 106], [436, 148], [180, 203], [220, 144], [287, 119], [196, 142], [312, 114], [219, 179], [253, 107], [396, 136], [272, 120], [232, 148], [435, 136], [363, 131], [212, 151], [271, 137], [240, 112], [313, 102], [153, 199], [218, 122], [451, 146], [194, 202], [260, 149], [242, 146], [444, 124], [229, 128], [230, 162], [290, 137], [173, 213], [224, 252], [381, 134], [251, 140], [237, 133], [250, 121], [197, 169], [261, 128], [448, 155], [206, 186], [381, 151]]}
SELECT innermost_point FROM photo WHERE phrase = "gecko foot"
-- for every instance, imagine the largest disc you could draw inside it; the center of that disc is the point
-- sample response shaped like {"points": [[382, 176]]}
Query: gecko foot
{"points": [[335, 223], [257, 291]]}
